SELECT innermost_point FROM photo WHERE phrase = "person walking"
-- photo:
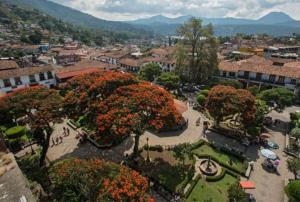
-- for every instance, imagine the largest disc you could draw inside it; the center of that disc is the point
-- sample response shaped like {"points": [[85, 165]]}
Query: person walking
{"points": [[53, 142], [68, 131]]}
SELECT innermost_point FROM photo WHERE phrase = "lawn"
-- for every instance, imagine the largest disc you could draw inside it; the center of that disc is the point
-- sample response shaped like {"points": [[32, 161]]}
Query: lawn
{"points": [[211, 191], [237, 164]]}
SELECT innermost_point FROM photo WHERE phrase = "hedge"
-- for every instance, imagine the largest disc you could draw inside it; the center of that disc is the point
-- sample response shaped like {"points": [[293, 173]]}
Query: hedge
{"points": [[193, 184], [198, 144], [15, 132], [216, 177]]}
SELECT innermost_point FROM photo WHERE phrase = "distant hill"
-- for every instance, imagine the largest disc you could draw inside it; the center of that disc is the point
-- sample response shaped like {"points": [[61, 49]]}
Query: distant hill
{"points": [[274, 23], [275, 18], [76, 17]]}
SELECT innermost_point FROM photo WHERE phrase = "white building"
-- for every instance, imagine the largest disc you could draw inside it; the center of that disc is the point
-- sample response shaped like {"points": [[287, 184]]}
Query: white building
{"points": [[260, 71], [24, 77]]}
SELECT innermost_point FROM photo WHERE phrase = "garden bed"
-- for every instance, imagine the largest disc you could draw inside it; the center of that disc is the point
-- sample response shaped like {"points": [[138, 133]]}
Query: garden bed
{"points": [[238, 165]]}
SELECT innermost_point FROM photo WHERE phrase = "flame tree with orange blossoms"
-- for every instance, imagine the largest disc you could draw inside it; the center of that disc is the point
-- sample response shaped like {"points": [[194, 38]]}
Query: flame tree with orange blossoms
{"points": [[41, 108], [223, 101], [97, 180], [83, 93], [135, 108], [120, 104]]}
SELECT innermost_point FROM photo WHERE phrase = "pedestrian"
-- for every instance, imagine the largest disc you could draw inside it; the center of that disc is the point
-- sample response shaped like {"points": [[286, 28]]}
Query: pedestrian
{"points": [[61, 139], [68, 131], [57, 140], [53, 142]]}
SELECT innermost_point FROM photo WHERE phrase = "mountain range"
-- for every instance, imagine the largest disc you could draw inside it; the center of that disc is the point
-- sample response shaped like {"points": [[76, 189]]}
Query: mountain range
{"points": [[274, 23]]}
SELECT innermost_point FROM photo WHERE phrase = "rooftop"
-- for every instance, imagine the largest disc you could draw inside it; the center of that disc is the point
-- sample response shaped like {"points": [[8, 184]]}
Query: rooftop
{"points": [[5, 74], [260, 65]]}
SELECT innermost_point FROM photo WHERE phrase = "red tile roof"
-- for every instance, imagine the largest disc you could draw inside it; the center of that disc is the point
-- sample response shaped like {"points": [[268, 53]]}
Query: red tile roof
{"points": [[76, 72], [5, 74], [8, 64], [260, 65]]}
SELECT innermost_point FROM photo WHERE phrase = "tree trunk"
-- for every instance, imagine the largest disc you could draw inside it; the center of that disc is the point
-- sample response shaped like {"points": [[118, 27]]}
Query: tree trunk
{"points": [[136, 145], [45, 146]]}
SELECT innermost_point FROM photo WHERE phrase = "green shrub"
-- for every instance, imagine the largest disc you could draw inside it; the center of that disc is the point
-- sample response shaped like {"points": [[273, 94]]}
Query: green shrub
{"points": [[201, 99], [204, 92], [293, 191], [254, 90], [254, 131], [236, 193], [197, 144], [15, 132], [82, 120], [216, 177], [295, 116]]}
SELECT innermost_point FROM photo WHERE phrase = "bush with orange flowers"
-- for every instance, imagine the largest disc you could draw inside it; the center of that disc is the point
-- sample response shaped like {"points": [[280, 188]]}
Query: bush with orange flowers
{"points": [[97, 180]]}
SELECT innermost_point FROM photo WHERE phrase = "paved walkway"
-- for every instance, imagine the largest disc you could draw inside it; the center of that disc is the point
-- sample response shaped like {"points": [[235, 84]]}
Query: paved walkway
{"points": [[269, 186]]}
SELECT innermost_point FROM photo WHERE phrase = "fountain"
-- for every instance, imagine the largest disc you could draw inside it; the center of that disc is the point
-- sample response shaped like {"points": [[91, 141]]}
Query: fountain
{"points": [[208, 167]]}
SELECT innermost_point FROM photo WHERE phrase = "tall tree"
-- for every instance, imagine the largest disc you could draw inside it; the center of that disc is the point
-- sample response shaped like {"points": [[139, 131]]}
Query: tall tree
{"points": [[223, 101], [41, 107], [198, 41], [135, 108], [169, 80], [150, 71]]}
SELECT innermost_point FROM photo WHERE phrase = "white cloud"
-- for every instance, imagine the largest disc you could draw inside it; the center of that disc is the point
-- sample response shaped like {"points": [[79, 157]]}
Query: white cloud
{"points": [[133, 9]]}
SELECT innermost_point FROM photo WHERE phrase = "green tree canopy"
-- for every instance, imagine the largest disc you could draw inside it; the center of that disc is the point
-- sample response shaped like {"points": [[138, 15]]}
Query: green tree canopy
{"points": [[281, 96], [169, 80], [293, 191], [236, 193], [150, 71], [233, 83], [294, 165], [196, 52], [296, 132]]}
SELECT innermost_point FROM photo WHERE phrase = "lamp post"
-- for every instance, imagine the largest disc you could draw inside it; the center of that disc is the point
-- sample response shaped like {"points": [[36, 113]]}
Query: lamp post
{"points": [[148, 157]]}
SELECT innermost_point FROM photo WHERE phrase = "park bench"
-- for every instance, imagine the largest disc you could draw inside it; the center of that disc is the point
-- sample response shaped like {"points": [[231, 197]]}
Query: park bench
{"points": [[249, 169]]}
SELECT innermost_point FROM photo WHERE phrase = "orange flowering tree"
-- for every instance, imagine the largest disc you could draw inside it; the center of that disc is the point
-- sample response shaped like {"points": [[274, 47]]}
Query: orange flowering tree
{"points": [[97, 180], [223, 101], [120, 104], [83, 93], [41, 107], [135, 108]]}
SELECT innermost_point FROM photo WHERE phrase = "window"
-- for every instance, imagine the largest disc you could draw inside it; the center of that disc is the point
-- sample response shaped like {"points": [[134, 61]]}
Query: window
{"points": [[42, 76], [32, 79], [246, 75], [281, 79], [272, 78], [258, 76], [49, 74], [293, 81], [7, 83], [232, 74], [224, 74], [18, 81]]}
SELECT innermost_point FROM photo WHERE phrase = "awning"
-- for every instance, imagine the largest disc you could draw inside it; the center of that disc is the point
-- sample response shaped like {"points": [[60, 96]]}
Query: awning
{"points": [[247, 185]]}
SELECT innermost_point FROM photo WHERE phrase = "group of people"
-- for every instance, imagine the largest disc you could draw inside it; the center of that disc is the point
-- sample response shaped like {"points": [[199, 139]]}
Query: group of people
{"points": [[59, 139]]}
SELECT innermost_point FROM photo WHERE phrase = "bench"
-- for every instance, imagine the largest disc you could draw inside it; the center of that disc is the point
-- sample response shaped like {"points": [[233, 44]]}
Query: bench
{"points": [[249, 169]]}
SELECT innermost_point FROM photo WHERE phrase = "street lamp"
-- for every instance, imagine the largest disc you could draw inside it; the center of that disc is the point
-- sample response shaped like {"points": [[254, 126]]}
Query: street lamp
{"points": [[148, 157]]}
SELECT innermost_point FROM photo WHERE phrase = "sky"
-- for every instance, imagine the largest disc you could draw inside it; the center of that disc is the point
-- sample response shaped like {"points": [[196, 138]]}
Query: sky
{"points": [[122, 10]]}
